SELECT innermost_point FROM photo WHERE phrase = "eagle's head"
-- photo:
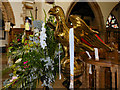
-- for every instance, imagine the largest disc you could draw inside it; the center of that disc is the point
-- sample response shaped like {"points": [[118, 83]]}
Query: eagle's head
{"points": [[56, 10]]}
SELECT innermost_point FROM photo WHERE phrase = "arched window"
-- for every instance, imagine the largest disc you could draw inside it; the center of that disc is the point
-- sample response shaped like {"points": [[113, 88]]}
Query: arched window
{"points": [[112, 22]]}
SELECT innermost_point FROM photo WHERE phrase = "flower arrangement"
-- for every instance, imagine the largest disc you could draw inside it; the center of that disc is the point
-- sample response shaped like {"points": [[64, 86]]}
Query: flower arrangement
{"points": [[35, 58]]}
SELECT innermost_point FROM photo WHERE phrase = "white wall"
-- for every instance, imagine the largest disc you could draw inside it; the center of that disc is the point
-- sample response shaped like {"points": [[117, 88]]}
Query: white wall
{"points": [[46, 7], [17, 10], [105, 7]]}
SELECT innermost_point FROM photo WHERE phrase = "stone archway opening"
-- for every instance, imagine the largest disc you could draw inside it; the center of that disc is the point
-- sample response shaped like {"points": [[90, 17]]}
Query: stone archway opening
{"points": [[91, 13], [6, 15], [7, 12]]}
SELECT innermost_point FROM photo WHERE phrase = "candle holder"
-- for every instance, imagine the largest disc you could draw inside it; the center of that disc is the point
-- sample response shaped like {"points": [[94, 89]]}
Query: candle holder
{"points": [[78, 71]]}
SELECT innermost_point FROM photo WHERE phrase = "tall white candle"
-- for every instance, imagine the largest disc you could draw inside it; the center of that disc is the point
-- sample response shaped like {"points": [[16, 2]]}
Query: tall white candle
{"points": [[59, 64], [90, 69], [71, 48], [88, 54], [96, 54]]}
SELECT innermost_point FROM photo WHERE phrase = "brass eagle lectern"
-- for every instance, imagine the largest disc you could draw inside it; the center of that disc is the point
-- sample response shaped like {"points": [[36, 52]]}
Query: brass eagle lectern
{"points": [[81, 32]]}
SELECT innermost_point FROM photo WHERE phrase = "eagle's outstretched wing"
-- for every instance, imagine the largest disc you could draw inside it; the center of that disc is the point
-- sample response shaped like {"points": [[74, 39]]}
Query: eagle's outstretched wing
{"points": [[85, 34]]}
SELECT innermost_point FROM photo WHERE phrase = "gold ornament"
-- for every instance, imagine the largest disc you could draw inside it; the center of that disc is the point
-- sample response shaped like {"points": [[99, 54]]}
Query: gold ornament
{"points": [[81, 30]]}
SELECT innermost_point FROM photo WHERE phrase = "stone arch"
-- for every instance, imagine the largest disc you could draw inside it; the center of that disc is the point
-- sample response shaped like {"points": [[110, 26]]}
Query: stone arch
{"points": [[7, 12], [97, 13]]}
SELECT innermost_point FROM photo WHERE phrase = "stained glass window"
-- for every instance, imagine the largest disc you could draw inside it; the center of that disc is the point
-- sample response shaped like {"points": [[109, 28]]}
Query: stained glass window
{"points": [[112, 22]]}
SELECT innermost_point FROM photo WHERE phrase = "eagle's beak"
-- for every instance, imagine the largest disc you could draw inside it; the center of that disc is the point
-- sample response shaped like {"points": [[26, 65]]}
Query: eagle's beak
{"points": [[51, 11]]}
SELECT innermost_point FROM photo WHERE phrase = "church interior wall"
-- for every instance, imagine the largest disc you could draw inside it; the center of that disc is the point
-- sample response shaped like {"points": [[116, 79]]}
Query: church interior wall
{"points": [[17, 9], [105, 7]]}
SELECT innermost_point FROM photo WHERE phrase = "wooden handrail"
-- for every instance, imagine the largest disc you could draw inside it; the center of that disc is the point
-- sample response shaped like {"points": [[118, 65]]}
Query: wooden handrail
{"points": [[99, 73], [103, 63]]}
